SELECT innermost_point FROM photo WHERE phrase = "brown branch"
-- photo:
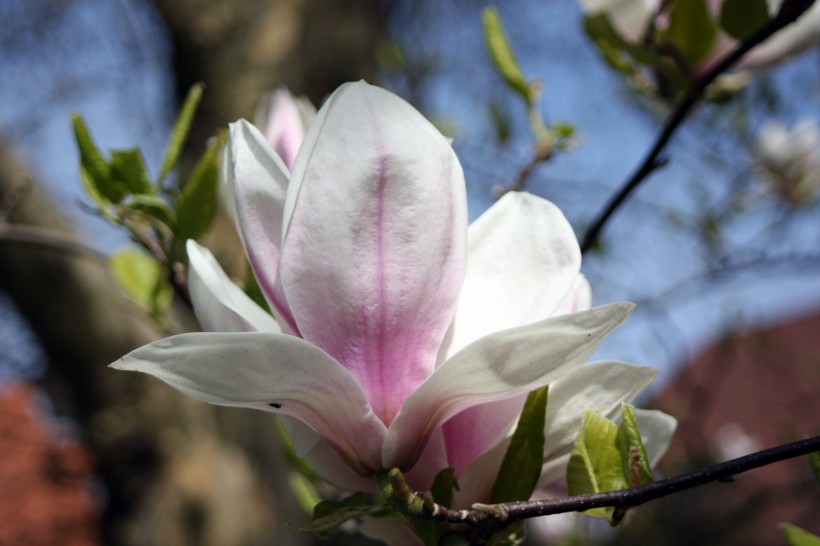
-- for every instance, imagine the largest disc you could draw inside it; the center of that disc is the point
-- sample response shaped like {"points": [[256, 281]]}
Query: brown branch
{"points": [[789, 12], [490, 518], [45, 237]]}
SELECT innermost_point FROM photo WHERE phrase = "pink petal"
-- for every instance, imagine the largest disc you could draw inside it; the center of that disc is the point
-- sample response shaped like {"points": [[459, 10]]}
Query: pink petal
{"points": [[258, 181], [373, 255]]}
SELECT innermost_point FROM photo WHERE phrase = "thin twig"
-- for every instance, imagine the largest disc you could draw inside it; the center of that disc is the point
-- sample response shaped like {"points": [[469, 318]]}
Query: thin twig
{"points": [[495, 517], [789, 12]]}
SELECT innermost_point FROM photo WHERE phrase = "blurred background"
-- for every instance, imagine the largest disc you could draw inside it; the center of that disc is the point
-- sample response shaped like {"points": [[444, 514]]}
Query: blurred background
{"points": [[725, 268]]}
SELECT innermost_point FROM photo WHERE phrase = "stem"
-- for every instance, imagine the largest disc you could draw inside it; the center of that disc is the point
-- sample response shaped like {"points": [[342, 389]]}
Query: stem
{"points": [[495, 517], [789, 12]]}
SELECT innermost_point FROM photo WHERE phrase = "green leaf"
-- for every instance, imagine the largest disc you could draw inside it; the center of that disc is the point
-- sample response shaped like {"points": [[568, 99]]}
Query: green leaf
{"points": [[180, 131], [595, 462], [127, 166], [814, 464], [154, 207], [91, 189], [502, 55], [796, 536], [692, 29], [329, 514], [143, 279], [334, 519], [633, 453], [740, 18], [95, 164], [521, 467], [197, 204]]}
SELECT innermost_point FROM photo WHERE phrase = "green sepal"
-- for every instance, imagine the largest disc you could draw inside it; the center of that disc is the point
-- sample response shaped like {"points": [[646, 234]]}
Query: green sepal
{"points": [[329, 514], [197, 204], [692, 29], [814, 464], [430, 531], [634, 460], [524, 459], [128, 167], [180, 132], [153, 206], [443, 486], [503, 57], [595, 463], [143, 279], [740, 18], [95, 165], [795, 536]]}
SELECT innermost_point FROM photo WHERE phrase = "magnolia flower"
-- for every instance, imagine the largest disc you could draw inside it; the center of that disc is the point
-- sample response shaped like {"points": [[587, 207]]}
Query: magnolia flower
{"points": [[401, 338], [283, 118], [631, 19], [790, 159]]}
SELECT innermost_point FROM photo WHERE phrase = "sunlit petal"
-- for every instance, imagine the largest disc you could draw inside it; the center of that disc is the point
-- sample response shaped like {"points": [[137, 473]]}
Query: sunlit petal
{"points": [[522, 261], [373, 255], [496, 367]]}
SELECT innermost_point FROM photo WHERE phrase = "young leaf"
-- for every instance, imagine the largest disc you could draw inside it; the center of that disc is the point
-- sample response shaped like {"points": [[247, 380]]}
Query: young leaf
{"points": [[142, 278], [91, 189], [814, 464], [180, 132], [795, 536], [127, 166], [521, 467], [154, 207], [740, 18], [635, 462], [95, 165], [692, 29], [595, 462], [197, 205], [502, 55]]}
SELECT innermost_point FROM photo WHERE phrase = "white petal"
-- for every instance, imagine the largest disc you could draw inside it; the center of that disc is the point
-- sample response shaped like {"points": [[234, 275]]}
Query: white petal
{"points": [[272, 372], [600, 386], [373, 255], [496, 367], [219, 304], [657, 429], [258, 181], [522, 261]]}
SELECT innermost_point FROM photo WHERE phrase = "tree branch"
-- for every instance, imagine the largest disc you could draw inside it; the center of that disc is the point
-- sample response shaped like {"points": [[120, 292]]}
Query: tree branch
{"points": [[789, 12], [489, 518]]}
